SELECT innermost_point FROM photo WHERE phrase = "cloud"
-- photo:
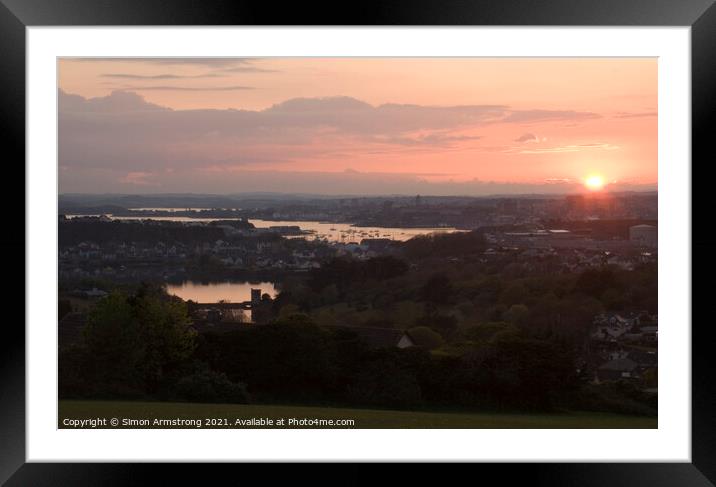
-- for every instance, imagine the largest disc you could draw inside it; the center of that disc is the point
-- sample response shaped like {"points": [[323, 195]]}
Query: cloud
{"points": [[636, 115], [159, 76], [440, 139], [208, 62], [349, 114], [187, 88], [116, 102], [137, 178], [348, 182], [249, 69], [565, 148], [434, 140], [527, 138], [219, 70], [123, 133], [531, 116]]}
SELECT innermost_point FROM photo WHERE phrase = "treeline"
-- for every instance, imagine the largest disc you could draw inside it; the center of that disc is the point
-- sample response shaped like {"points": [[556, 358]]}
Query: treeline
{"points": [[443, 244], [294, 360], [345, 272], [74, 232], [139, 345], [447, 296]]}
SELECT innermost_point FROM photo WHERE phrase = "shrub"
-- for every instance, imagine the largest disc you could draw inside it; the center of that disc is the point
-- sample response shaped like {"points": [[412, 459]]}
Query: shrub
{"points": [[205, 385], [424, 337], [622, 398], [385, 385]]}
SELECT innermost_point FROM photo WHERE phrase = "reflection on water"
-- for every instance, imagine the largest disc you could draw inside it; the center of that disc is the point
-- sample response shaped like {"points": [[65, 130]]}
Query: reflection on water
{"points": [[172, 210], [332, 232], [234, 292], [345, 232]]}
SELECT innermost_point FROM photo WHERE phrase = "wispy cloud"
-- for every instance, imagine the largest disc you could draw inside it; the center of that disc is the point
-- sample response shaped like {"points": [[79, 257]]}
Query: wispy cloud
{"points": [[187, 88], [249, 69], [636, 115], [527, 138], [564, 148], [138, 178], [530, 116], [210, 62], [438, 139], [160, 76], [344, 182]]}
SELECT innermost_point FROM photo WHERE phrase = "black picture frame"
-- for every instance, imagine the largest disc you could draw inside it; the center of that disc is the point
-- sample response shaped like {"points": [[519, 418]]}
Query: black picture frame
{"points": [[700, 15]]}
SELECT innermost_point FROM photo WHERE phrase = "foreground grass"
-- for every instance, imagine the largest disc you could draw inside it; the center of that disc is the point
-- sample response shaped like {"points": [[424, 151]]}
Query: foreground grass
{"points": [[363, 418]]}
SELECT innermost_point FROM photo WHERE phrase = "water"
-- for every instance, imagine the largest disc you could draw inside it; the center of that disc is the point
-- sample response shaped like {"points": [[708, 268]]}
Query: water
{"points": [[231, 291], [345, 232], [332, 232], [172, 210], [213, 292]]}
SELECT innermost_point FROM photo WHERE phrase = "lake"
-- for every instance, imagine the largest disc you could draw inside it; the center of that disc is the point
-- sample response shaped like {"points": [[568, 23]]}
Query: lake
{"points": [[212, 292]]}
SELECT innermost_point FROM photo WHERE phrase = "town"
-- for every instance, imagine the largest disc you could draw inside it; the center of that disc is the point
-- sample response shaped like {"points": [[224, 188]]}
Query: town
{"points": [[569, 272]]}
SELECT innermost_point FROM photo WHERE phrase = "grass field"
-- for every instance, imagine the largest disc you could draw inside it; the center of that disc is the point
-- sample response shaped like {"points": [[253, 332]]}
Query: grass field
{"points": [[363, 418]]}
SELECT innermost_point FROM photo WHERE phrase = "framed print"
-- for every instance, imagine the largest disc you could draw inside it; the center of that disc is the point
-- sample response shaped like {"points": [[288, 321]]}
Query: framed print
{"points": [[418, 233]]}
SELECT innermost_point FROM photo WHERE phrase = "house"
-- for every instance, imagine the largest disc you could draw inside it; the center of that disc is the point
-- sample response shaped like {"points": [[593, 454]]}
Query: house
{"points": [[611, 326], [213, 315], [95, 293], [644, 359], [650, 333], [377, 244], [618, 369]]}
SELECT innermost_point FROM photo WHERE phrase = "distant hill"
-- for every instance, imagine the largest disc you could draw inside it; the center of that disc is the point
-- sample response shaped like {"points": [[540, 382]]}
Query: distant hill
{"points": [[104, 203]]}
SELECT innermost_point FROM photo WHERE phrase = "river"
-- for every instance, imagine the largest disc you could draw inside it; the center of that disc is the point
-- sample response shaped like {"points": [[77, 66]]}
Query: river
{"points": [[332, 232]]}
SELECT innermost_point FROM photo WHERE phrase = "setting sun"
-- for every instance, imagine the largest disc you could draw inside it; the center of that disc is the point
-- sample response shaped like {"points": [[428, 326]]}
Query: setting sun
{"points": [[594, 182]]}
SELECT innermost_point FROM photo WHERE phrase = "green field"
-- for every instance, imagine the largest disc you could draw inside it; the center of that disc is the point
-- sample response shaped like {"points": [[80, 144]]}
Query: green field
{"points": [[363, 418]]}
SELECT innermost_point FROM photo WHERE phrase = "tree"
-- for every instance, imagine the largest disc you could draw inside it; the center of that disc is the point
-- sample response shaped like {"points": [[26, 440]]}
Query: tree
{"points": [[575, 317], [594, 282], [517, 314], [385, 380], [346, 272], [425, 337], [134, 340], [291, 358], [613, 299], [515, 293], [329, 294], [113, 342], [485, 332], [205, 385], [287, 310], [444, 324], [438, 290], [64, 307]]}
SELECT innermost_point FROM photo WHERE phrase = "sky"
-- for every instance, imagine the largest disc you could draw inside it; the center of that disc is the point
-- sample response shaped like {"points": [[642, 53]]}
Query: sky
{"points": [[440, 126]]}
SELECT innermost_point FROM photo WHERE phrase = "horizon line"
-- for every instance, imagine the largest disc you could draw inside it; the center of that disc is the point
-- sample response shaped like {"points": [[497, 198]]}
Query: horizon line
{"points": [[363, 195]]}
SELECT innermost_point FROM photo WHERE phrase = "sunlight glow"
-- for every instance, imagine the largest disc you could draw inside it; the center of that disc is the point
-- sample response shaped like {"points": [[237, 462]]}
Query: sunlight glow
{"points": [[595, 182]]}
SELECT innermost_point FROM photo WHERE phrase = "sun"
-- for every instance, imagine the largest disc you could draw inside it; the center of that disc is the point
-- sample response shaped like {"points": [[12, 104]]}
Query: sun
{"points": [[595, 182]]}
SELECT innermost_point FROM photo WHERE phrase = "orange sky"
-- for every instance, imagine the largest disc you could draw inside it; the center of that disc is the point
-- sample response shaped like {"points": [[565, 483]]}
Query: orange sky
{"points": [[442, 125]]}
